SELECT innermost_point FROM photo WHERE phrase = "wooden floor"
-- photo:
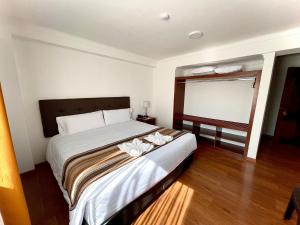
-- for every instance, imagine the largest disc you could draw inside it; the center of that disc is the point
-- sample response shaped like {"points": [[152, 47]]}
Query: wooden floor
{"points": [[218, 189]]}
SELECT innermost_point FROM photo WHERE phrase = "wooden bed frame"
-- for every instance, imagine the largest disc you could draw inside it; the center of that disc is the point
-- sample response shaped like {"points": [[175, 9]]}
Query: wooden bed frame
{"points": [[130, 212], [52, 108]]}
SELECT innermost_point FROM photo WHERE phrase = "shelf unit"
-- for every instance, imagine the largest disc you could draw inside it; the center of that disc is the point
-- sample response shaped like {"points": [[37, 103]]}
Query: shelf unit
{"points": [[218, 136]]}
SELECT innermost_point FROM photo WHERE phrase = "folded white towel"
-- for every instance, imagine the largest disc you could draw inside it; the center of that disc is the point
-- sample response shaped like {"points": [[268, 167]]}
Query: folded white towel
{"points": [[158, 138], [228, 69], [135, 148], [204, 70]]}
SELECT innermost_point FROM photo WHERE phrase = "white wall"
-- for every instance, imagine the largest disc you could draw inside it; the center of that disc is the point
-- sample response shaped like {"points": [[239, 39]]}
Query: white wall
{"points": [[224, 100], [280, 71], [13, 101], [50, 71], [265, 46]]}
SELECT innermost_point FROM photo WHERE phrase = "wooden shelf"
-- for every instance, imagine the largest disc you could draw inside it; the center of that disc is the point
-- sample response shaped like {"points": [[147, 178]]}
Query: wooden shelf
{"points": [[206, 140], [187, 127], [218, 136], [233, 137], [223, 135], [212, 122], [204, 131], [208, 132], [241, 74], [224, 145]]}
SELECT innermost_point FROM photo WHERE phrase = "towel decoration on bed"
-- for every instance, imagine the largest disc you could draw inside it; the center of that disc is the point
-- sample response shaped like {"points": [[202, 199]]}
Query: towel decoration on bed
{"points": [[83, 169], [158, 138], [135, 148]]}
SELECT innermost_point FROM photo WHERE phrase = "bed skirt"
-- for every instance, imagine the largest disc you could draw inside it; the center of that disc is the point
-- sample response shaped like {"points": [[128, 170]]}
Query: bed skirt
{"points": [[127, 215]]}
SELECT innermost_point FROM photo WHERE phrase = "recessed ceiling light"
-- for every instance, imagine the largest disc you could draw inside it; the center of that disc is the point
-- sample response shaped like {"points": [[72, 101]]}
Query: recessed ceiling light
{"points": [[165, 16], [196, 34]]}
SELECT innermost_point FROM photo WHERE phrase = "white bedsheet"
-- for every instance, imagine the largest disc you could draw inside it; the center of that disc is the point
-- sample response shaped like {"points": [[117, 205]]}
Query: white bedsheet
{"points": [[115, 190]]}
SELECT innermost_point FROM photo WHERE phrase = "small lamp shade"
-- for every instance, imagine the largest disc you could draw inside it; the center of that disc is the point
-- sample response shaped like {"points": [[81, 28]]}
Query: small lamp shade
{"points": [[146, 104]]}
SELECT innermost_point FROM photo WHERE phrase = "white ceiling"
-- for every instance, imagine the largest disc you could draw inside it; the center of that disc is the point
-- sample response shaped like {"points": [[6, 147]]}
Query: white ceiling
{"points": [[134, 25]]}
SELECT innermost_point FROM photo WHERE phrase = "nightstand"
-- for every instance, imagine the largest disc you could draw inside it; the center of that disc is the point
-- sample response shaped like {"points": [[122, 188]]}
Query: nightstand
{"points": [[148, 119]]}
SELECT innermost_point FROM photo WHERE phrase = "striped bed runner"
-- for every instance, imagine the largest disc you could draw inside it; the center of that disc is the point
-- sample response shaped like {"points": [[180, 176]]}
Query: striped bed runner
{"points": [[83, 169]]}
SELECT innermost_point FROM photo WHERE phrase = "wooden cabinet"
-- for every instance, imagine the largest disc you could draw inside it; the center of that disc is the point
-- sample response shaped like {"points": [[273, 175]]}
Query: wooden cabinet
{"points": [[148, 119], [218, 137]]}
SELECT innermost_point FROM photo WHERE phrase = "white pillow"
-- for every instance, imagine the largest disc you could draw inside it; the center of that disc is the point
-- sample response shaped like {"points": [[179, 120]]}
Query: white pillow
{"points": [[80, 122], [204, 70], [229, 69], [116, 116]]}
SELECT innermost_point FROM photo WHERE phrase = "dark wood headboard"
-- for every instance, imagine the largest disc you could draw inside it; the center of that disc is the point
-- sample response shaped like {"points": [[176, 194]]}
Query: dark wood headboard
{"points": [[52, 108]]}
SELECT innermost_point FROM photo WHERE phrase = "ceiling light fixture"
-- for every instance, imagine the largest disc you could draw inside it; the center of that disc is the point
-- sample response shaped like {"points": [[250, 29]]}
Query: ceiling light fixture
{"points": [[165, 16], [196, 34]]}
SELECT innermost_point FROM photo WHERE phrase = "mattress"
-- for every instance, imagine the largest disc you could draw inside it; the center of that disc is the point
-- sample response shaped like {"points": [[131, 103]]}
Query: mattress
{"points": [[114, 191]]}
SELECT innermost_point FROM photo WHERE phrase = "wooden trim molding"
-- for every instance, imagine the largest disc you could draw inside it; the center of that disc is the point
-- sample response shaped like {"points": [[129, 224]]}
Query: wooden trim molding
{"points": [[13, 207], [242, 74], [213, 122]]}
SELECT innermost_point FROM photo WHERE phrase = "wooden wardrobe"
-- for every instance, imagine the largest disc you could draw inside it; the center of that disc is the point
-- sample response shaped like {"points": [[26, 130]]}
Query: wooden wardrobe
{"points": [[216, 136]]}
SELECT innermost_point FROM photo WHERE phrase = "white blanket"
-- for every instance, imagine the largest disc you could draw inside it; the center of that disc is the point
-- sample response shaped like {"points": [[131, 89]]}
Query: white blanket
{"points": [[114, 191]]}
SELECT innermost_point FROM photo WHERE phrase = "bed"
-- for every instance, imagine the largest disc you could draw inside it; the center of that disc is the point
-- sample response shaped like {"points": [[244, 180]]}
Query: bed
{"points": [[121, 195]]}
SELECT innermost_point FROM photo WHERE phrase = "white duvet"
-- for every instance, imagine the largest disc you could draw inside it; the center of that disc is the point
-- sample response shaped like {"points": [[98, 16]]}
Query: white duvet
{"points": [[115, 190]]}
